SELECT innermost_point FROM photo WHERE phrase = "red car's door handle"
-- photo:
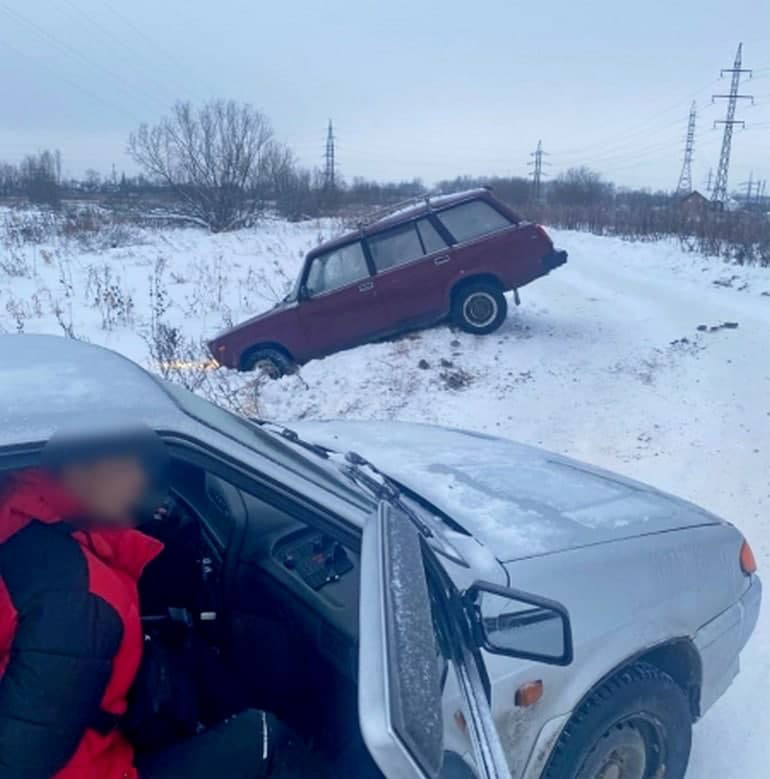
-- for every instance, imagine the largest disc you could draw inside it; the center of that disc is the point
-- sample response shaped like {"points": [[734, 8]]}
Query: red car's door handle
{"points": [[441, 260], [366, 286]]}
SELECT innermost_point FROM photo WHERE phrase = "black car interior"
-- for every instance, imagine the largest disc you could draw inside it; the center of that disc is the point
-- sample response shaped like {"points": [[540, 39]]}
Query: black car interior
{"points": [[249, 606], [259, 608]]}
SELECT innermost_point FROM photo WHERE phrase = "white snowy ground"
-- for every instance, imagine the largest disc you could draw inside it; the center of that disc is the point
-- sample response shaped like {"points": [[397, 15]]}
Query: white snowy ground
{"points": [[603, 362]]}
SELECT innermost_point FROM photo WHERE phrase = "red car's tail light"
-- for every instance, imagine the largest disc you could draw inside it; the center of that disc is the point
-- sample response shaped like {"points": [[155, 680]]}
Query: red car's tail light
{"points": [[748, 561]]}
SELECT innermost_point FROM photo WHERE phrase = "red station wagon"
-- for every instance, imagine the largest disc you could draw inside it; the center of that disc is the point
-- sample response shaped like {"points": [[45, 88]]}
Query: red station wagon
{"points": [[451, 256]]}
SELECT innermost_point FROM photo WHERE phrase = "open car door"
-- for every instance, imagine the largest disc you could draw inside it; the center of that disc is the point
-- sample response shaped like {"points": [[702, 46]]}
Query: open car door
{"points": [[400, 665], [413, 621]]}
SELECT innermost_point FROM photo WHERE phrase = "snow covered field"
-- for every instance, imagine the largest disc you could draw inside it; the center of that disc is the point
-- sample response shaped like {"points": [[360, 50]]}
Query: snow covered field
{"points": [[606, 360]]}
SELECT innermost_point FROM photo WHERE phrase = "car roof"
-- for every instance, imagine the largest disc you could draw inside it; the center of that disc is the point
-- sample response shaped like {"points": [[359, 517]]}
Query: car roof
{"points": [[398, 215], [49, 382]]}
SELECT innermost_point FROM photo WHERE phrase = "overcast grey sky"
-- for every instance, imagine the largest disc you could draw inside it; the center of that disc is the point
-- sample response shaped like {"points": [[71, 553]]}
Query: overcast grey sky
{"points": [[428, 89]]}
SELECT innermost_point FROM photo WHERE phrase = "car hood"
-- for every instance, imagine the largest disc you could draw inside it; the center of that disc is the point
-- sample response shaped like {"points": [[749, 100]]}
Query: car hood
{"points": [[279, 308], [517, 500]]}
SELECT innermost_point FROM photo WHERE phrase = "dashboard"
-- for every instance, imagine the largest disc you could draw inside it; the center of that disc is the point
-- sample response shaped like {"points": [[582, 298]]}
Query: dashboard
{"points": [[272, 559], [317, 559]]}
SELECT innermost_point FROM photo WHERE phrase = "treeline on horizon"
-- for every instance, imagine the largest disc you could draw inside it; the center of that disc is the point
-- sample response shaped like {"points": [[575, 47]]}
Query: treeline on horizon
{"points": [[219, 166]]}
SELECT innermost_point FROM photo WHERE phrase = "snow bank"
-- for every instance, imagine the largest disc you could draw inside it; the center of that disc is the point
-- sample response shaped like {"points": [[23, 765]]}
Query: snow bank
{"points": [[604, 361]]}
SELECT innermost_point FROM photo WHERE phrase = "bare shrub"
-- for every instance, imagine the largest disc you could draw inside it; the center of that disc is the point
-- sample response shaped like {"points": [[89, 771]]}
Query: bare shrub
{"points": [[208, 280], [187, 362], [22, 227], [19, 312], [742, 237], [62, 307], [214, 158], [15, 265], [580, 186], [115, 305], [90, 229], [160, 301]]}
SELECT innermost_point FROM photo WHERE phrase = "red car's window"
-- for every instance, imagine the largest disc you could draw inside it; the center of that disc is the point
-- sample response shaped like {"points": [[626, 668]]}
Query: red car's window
{"points": [[431, 238], [336, 269], [472, 220], [395, 247]]}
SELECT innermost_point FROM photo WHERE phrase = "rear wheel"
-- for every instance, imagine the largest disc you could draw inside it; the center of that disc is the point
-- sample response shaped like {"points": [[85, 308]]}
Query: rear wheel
{"points": [[479, 307], [637, 725], [272, 363]]}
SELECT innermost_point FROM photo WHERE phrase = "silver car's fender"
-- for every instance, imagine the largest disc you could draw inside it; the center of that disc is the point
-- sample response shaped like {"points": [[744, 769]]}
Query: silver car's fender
{"points": [[625, 599]]}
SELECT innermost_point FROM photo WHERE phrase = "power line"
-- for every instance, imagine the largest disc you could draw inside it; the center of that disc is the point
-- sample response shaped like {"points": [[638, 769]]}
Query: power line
{"points": [[74, 84], [719, 193], [73, 51], [749, 186], [644, 128], [73, 11], [154, 46], [684, 186]]}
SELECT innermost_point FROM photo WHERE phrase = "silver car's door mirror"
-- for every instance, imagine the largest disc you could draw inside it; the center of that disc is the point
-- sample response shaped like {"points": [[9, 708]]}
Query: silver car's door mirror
{"points": [[519, 624], [399, 684]]}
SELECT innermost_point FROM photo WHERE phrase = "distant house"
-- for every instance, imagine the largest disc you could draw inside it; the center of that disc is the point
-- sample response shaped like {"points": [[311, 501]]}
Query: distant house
{"points": [[694, 203]]}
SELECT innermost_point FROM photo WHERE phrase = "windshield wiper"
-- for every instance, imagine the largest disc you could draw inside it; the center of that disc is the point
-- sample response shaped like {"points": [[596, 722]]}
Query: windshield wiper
{"points": [[292, 436], [368, 475]]}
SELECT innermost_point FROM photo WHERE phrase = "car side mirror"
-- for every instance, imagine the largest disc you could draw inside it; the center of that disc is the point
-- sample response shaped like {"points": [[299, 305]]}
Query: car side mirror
{"points": [[303, 294], [509, 622]]}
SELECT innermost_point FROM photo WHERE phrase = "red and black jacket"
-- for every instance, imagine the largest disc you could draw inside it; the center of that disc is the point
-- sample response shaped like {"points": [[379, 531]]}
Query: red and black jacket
{"points": [[70, 635]]}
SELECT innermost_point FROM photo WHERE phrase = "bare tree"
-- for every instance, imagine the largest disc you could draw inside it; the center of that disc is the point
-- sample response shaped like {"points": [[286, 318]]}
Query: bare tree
{"points": [[40, 177], [212, 157], [580, 187]]}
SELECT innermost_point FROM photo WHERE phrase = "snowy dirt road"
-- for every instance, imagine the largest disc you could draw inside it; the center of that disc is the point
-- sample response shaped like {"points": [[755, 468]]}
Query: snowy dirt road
{"points": [[604, 361]]}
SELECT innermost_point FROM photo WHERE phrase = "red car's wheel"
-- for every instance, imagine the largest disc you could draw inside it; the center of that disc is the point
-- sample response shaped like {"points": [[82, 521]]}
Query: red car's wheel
{"points": [[270, 362], [479, 307]]}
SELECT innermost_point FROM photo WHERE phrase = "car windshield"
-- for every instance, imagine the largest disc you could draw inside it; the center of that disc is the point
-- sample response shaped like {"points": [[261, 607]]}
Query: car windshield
{"points": [[266, 443]]}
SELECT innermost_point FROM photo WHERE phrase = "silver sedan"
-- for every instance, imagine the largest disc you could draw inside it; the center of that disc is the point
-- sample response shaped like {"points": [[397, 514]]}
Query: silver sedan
{"points": [[495, 610]]}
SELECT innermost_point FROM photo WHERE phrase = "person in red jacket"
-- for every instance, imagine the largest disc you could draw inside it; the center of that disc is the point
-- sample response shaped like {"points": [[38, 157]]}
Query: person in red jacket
{"points": [[71, 636]]}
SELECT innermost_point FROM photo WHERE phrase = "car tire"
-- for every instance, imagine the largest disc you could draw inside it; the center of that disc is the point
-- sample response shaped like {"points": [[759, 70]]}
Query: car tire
{"points": [[271, 363], [638, 724], [479, 307]]}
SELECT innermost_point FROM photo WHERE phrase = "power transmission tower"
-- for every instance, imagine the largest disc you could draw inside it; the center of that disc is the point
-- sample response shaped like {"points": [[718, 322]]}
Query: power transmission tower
{"points": [[537, 171], [719, 193], [684, 187], [709, 180], [330, 167]]}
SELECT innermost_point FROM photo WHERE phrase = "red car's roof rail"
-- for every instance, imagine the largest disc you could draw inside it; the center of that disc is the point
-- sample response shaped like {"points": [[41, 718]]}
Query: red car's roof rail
{"points": [[428, 200]]}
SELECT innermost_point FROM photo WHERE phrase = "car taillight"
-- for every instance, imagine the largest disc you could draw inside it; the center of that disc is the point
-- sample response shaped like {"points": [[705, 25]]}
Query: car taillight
{"points": [[748, 561]]}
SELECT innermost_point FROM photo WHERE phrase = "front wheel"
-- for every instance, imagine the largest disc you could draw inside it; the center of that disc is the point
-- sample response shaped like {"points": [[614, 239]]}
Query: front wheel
{"points": [[271, 363], [479, 307], [637, 725]]}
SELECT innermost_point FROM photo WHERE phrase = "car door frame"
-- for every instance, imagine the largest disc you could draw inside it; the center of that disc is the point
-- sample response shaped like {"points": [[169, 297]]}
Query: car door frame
{"points": [[427, 263], [474, 683], [388, 740], [366, 285]]}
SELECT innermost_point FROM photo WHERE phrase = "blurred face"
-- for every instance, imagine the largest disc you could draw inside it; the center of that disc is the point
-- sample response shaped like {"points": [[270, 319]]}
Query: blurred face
{"points": [[109, 489]]}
